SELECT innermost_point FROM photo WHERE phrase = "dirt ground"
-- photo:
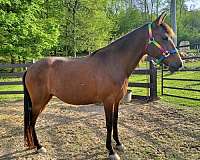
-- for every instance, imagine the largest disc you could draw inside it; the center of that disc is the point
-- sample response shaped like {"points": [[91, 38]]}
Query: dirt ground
{"points": [[148, 131]]}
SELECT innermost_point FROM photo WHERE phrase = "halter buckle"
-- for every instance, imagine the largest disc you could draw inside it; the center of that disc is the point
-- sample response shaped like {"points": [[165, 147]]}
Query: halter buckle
{"points": [[151, 40]]}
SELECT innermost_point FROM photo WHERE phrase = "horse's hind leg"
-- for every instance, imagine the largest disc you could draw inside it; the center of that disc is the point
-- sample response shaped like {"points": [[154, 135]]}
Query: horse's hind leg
{"points": [[108, 107], [35, 100], [37, 109], [119, 145]]}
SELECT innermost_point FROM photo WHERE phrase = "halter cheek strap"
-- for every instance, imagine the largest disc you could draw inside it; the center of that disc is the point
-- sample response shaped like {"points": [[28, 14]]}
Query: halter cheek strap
{"points": [[164, 53]]}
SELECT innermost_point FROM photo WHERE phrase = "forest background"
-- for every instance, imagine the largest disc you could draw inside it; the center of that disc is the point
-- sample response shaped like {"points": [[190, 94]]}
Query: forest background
{"points": [[31, 29]]}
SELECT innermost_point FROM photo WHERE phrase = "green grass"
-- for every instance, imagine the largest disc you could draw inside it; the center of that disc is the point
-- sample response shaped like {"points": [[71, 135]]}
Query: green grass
{"points": [[181, 84], [10, 88]]}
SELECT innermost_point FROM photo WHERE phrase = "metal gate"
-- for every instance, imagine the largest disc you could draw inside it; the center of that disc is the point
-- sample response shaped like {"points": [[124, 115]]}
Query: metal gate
{"points": [[187, 89]]}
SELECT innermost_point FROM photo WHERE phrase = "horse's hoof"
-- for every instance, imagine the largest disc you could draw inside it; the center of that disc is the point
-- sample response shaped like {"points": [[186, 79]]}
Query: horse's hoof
{"points": [[120, 147], [42, 150], [114, 157]]}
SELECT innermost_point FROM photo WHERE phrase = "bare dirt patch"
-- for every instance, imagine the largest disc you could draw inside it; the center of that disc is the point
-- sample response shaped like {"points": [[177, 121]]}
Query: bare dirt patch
{"points": [[148, 131]]}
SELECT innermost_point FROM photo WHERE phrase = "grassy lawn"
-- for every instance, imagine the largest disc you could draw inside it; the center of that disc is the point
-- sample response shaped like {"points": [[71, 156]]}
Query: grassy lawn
{"points": [[180, 84], [183, 84], [11, 88]]}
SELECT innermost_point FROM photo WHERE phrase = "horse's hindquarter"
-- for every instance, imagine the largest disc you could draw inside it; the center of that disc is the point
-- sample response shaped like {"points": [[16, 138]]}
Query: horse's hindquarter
{"points": [[73, 81]]}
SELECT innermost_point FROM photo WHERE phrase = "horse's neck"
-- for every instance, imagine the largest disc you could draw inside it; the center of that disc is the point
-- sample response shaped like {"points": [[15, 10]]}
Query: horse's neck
{"points": [[130, 51], [122, 56]]}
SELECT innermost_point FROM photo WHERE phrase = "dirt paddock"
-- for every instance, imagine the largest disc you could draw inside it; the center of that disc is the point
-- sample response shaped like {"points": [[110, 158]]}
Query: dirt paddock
{"points": [[148, 131]]}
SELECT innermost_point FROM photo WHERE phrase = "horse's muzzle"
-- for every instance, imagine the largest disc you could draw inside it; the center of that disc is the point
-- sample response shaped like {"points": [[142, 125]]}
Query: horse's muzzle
{"points": [[174, 66]]}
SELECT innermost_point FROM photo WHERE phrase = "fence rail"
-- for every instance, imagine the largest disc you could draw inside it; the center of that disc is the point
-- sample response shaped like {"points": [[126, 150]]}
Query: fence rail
{"points": [[11, 92], [11, 83], [180, 79], [15, 65], [176, 96], [12, 75]]}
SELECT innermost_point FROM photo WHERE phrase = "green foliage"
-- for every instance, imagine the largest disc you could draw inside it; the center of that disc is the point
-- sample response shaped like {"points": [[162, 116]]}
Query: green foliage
{"points": [[189, 27], [31, 29], [24, 31], [128, 20], [86, 28]]}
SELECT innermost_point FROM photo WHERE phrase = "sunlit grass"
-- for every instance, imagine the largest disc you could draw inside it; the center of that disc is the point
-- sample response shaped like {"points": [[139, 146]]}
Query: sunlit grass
{"points": [[180, 84], [10, 88]]}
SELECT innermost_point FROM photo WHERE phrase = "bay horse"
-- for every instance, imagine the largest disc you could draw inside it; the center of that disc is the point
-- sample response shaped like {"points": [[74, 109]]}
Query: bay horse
{"points": [[99, 77]]}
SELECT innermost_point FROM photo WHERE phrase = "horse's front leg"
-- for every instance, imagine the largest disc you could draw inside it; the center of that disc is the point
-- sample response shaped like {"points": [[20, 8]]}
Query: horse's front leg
{"points": [[119, 145], [108, 107]]}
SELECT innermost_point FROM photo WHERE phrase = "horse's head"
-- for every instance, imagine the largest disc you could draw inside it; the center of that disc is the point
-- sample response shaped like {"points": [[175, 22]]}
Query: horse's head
{"points": [[160, 44]]}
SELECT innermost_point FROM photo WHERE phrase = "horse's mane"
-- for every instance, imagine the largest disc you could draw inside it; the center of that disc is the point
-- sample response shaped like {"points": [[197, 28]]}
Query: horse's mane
{"points": [[168, 29], [164, 25]]}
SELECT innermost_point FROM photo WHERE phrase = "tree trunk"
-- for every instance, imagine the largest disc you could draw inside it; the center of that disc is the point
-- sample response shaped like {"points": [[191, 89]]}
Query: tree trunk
{"points": [[181, 7], [152, 10], [12, 61], [157, 7], [66, 25], [74, 26], [173, 19], [24, 61], [145, 9]]}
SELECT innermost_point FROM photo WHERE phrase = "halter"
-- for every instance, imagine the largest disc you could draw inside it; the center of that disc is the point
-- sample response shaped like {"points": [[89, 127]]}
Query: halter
{"points": [[164, 53]]}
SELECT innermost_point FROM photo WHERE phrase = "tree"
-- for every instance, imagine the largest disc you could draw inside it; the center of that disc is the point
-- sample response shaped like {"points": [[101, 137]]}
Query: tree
{"points": [[86, 26], [173, 19], [24, 30]]}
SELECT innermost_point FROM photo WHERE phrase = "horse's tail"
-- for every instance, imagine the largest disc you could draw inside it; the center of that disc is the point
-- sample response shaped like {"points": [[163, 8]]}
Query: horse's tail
{"points": [[28, 129]]}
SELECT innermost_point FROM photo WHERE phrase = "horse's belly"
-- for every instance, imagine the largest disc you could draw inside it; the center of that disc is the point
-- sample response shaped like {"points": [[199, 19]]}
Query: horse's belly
{"points": [[76, 91], [77, 101], [78, 97]]}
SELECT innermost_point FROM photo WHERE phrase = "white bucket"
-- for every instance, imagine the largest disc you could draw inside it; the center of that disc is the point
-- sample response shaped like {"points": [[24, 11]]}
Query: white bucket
{"points": [[128, 96]]}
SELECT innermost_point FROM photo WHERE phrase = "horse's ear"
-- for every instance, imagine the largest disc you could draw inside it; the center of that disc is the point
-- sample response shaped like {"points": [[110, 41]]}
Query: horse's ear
{"points": [[160, 19]]}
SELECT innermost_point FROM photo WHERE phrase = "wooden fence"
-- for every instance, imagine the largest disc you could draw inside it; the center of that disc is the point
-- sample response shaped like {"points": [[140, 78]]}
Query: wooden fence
{"points": [[151, 72], [12, 75]]}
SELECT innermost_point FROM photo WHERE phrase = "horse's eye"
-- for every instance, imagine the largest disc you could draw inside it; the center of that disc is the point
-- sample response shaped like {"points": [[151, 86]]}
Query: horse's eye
{"points": [[165, 38]]}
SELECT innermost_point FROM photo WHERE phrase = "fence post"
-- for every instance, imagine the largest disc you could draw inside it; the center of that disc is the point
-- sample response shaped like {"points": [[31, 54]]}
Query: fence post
{"points": [[162, 81], [153, 80]]}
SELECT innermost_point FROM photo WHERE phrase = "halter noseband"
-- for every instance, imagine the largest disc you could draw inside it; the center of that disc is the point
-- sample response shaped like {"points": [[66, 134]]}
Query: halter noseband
{"points": [[164, 53]]}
